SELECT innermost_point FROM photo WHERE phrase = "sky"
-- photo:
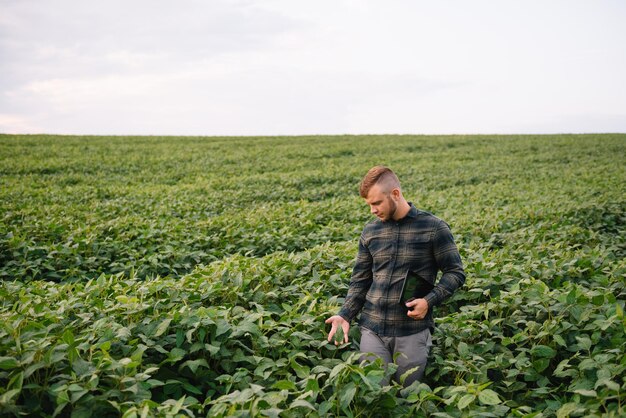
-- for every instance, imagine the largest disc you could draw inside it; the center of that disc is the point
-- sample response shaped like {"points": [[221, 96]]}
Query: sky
{"points": [[292, 67]]}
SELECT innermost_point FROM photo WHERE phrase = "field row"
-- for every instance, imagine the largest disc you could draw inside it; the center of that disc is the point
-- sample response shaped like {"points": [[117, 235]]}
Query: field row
{"points": [[71, 209], [247, 334], [192, 276]]}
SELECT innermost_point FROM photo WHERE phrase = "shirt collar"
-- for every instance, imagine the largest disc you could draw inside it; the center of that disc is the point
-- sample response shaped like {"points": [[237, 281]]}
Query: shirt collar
{"points": [[412, 213]]}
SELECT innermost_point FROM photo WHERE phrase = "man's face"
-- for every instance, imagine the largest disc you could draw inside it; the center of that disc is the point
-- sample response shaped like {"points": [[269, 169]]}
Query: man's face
{"points": [[382, 205]]}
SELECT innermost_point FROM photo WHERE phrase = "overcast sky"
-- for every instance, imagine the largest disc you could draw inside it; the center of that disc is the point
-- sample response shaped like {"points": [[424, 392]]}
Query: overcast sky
{"points": [[288, 67]]}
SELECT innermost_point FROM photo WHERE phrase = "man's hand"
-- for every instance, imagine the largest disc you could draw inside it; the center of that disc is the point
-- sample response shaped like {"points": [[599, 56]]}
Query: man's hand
{"points": [[337, 322], [420, 308]]}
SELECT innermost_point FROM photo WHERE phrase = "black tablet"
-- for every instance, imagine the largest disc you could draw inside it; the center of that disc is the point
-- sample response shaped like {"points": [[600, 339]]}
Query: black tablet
{"points": [[414, 287]]}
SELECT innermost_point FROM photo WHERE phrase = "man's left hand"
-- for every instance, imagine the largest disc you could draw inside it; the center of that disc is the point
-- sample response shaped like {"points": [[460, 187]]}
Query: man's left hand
{"points": [[419, 308]]}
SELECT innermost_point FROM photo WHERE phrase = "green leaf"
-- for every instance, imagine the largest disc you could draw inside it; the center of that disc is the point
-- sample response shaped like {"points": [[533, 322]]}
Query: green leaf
{"points": [[324, 408], [63, 397], [336, 370], [598, 300], [194, 364], [212, 349], [541, 364], [160, 330], [564, 369], [123, 334], [60, 407], [587, 364], [559, 340], [347, 394], [301, 371], [68, 337], [33, 368], [566, 409], [463, 349], [8, 363], [154, 383], [584, 342], [614, 386], [466, 400], [76, 393], [489, 397], [302, 403], [313, 386], [571, 297], [180, 337], [191, 388], [82, 367], [543, 351], [246, 327], [7, 397], [16, 381], [272, 412], [284, 385], [222, 327], [586, 392], [176, 354]]}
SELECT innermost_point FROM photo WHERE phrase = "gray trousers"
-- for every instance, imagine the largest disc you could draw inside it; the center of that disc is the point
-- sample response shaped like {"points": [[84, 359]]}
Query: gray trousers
{"points": [[413, 351]]}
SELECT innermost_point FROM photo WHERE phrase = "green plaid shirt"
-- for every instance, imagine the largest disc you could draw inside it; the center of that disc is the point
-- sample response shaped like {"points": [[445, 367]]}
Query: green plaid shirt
{"points": [[421, 243]]}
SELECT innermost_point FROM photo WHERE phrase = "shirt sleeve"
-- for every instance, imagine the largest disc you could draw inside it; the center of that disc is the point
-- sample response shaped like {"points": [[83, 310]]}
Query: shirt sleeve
{"points": [[359, 284], [449, 262]]}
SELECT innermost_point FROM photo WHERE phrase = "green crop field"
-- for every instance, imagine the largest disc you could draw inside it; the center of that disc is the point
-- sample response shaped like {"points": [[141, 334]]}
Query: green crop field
{"points": [[187, 276]]}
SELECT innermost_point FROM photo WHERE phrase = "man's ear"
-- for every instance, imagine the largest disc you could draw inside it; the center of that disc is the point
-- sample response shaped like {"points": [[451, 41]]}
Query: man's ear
{"points": [[396, 193]]}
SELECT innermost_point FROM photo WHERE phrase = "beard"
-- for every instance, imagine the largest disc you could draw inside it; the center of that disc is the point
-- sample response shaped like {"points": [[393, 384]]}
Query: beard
{"points": [[393, 207]]}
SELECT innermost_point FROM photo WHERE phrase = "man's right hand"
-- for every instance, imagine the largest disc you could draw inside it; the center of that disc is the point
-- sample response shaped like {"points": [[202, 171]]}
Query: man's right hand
{"points": [[337, 321]]}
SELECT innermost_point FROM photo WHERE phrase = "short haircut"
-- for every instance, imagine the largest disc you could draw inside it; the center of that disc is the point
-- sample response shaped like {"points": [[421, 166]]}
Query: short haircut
{"points": [[376, 175]]}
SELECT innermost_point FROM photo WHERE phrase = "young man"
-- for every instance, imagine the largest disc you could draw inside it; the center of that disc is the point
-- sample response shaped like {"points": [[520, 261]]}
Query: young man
{"points": [[403, 242]]}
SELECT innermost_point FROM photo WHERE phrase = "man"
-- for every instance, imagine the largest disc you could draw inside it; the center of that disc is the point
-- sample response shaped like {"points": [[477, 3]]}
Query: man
{"points": [[402, 241]]}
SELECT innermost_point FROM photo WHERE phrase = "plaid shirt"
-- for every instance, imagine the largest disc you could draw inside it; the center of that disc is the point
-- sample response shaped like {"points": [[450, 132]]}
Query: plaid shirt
{"points": [[421, 243]]}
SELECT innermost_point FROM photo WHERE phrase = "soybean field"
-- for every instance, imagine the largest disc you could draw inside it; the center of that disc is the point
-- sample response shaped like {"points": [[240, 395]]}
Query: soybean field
{"points": [[191, 276]]}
